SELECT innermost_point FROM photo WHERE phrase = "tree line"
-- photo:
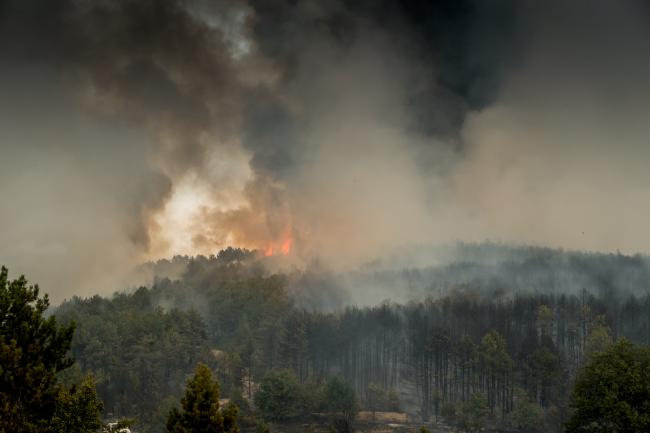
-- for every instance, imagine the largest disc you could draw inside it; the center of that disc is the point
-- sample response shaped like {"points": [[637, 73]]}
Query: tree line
{"points": [[513, 354], [34, 395], [503, 358]]}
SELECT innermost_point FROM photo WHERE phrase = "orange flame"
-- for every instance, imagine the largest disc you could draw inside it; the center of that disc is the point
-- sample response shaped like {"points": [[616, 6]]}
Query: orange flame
{"points": [[279, 248], [286, 246]]}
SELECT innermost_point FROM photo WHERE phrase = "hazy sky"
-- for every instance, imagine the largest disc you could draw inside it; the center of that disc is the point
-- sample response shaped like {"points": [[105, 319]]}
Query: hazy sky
{"points": [[138, 129]]}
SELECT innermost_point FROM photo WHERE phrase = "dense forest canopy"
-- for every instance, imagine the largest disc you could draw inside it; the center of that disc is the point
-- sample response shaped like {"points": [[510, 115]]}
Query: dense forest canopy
{"points": [[513, 328]]}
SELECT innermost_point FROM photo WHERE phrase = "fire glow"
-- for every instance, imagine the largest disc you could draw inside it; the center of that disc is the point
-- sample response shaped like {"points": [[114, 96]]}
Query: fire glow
{"points": [[282, 248]]}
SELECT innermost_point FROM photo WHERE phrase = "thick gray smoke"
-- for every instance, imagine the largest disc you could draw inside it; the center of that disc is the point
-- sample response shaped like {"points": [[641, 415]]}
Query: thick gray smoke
{"points": [[135, 129], [560, 157]]}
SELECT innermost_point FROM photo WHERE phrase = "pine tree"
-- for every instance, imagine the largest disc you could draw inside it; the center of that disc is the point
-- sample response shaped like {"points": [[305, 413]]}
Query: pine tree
{"points": [[200, 408], [33, 350], [78, 409]]}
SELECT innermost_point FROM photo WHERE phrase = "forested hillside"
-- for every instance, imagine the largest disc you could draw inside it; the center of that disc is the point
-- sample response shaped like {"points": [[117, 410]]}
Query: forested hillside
{"points": [[489, 268], [495, 343]]}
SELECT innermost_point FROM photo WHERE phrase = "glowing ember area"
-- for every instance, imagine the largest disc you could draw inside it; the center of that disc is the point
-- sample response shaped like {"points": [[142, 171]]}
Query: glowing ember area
{"points": [[281, 248]]}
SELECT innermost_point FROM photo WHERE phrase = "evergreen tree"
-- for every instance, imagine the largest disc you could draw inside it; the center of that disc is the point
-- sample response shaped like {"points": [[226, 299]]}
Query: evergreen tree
{"points": [[295, 346], [200, 408], [33, 349], [78, 409]]}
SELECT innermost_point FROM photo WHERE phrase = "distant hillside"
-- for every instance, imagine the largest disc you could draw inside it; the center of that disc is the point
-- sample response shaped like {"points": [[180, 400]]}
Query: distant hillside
{"points": [[417, 273]]}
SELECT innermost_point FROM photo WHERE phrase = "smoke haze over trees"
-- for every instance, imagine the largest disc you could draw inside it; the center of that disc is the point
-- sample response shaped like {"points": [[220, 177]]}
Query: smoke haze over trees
{"points": [[307, 215], [497, 349], [345, 128]]}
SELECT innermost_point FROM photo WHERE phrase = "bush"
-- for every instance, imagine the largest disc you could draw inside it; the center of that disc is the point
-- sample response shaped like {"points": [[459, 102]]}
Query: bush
{"points": [[473, 414], [527, 416], [278, 397], [612, 393], [262, 427], [340, 400]]}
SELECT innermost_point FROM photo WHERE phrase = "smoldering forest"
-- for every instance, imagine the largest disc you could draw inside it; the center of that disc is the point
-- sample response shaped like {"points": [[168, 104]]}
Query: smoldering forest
{"points": [[437, 208], [512, 324]]}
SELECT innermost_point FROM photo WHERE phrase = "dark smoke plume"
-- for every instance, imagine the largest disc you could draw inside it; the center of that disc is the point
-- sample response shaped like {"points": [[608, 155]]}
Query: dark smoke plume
{"points": [[135, 129]]}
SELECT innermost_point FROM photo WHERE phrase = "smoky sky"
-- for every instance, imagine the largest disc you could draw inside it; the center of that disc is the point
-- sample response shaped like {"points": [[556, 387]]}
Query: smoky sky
{"points": [[137, 129]]}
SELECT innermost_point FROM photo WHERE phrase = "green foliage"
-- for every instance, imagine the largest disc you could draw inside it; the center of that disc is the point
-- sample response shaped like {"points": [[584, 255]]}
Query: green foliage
{"points": [[311, 396], [33, 349], [78, 409], [493, 353], [230, 415], [340, 400], [474, 413], [262, 427], [294, 346], [278, 397], [527, 416], [545, 370], [599, 338], [237, 398], [612, 393], [200, 408], [139, 354], [244, 322]]}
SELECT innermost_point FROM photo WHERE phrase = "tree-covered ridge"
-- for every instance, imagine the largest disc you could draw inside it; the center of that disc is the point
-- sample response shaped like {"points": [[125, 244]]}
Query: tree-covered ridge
{"points": [[486, 267], [139, 354], [515, 353]]}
